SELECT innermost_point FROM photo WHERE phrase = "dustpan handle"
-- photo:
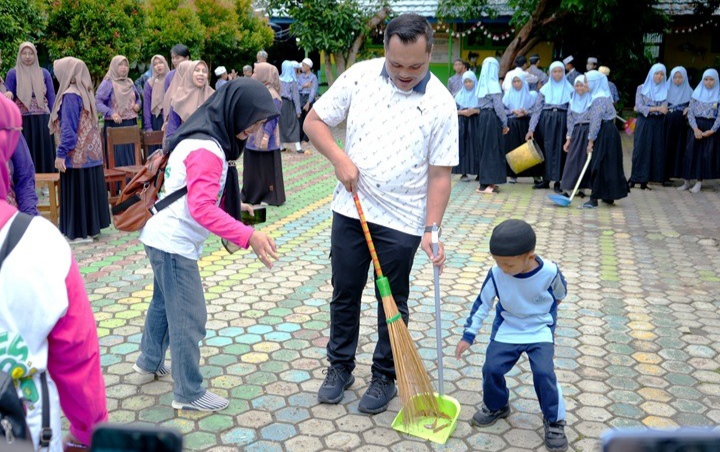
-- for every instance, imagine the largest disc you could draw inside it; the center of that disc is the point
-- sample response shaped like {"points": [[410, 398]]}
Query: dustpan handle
{"points": [[438, 320]]}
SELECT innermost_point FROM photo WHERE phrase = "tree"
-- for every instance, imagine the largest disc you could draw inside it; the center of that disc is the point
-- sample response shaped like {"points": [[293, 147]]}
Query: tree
{"points": [[536, 20], [21, 21], [95, 31], [334, 27], [169, 22], [233, 32]]}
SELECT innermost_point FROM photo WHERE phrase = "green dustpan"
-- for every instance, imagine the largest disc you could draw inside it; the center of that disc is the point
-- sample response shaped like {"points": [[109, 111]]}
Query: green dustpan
{"points": [[436, 429]]}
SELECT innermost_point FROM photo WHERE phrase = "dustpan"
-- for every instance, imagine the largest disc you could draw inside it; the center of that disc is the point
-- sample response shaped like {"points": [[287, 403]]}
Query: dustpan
{"points": [[433, 428], [564, 201]]}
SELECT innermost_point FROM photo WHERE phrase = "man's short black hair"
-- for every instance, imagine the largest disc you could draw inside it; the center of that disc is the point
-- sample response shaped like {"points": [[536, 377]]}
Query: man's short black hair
{"points": [[534, 58], [520, 61], [409, 27], [467, 65], [181, 50]]}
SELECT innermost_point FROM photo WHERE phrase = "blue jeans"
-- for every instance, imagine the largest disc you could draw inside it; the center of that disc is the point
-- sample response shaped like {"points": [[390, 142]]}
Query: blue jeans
{"points": [[176, 318]]}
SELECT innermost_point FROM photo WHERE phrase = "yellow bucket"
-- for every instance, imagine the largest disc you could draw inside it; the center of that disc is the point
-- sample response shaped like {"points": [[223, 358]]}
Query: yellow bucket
{"points": [[525, 156]]}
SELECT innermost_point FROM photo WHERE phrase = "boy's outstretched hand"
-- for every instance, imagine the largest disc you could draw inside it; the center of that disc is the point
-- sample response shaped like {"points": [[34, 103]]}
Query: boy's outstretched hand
{"points": [[461, 347]]}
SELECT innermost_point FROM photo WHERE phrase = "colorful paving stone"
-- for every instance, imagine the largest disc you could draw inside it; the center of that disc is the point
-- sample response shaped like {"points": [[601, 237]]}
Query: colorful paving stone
{"points": [[637, 337]]}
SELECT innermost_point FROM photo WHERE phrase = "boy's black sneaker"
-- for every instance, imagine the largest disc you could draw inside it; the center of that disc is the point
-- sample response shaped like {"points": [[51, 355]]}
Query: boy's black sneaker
{"points": [[378, 395], [555, 439], [337, 380], [485, 418]]}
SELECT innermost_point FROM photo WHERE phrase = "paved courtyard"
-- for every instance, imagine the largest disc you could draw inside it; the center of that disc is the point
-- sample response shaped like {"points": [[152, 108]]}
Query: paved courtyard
{"points": [[638, 337]]}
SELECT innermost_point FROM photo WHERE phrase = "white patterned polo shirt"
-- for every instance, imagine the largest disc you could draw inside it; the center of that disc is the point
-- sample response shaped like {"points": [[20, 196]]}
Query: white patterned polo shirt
{"points": [[393, 136]]}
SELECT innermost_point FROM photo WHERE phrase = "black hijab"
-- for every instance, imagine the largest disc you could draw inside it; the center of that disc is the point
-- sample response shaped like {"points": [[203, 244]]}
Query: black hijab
{"points": [[229, 111]]}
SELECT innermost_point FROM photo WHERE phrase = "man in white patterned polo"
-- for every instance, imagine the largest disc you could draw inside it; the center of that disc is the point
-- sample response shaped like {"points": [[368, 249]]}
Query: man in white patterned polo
{"points": [[401, 142]]}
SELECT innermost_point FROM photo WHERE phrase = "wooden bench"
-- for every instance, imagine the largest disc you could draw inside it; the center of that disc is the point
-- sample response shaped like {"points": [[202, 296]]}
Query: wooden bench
{"points": [[52, 182]]}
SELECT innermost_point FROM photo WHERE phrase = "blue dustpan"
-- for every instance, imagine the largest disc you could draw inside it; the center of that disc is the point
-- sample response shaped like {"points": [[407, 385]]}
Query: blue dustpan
{"points": [[564, 201]]}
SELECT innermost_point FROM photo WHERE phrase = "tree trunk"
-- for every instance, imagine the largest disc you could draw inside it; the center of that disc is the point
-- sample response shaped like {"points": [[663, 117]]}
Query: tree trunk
{"points": [[328, 69], [360, 39], [526, 38], [344, 60]]}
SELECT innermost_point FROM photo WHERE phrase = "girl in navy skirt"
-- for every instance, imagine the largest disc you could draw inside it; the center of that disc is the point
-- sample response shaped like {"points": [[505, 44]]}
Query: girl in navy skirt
{"points": [[468, 124], [648, 160], [676, 125], [701, 159]]}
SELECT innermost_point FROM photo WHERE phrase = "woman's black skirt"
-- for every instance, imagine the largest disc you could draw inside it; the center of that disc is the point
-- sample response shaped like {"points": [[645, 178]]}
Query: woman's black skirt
{"points": [[553, 129], [40, 142], [468, 142], [648, 159], [576, 158], [516, 137], [701, 157], [676, 132], [607, 179], [124, 154], [492, 167], [263, 177], [289, 124], [84, 208]]}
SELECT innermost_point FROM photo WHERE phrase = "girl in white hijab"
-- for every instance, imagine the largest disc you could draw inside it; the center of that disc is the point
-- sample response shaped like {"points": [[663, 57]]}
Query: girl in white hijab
{"points": [[578, 125], [676, 126], [551, 118], [648, 160], [492, 168], [701, 159], [607, 176]]}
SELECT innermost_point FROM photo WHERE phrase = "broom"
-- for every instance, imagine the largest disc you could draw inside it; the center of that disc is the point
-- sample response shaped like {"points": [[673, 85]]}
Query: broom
{"points": [[417, 396]]}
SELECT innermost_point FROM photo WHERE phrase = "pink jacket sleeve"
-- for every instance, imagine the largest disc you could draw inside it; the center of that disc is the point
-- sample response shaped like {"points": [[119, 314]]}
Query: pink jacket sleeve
{"points": [[204, 170], [74, 361]]}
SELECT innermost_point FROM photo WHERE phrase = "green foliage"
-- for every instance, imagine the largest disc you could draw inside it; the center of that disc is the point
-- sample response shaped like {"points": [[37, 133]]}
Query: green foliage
{"points": [[326, 25], [464, 9], [233, 33], [22, 20], [169, 22], [95, 31]]}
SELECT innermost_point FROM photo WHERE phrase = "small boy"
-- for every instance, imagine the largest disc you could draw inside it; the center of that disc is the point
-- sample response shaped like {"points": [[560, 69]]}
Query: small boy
{"points": [[528, 290]]}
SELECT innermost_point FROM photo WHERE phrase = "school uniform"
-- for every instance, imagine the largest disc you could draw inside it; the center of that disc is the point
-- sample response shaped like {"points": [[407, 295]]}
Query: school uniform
{"points": [[648, 160], [701, 159], [306, 95], [578, 126], [549, 119], [289, 124], [676, 124], [491, 163], [525, 321], [455, 84], [519, 125], [468, 127], [607, 176]]}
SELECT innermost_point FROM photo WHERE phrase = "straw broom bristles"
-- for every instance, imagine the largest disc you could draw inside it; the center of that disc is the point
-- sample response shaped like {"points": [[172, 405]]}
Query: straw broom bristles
{"points": [[417, 396]]}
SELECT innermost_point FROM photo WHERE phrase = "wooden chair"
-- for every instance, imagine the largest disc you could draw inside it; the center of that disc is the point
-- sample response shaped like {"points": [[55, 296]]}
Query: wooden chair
{"points": [[115, 179], [150, 139], [118, 136], [52, 182]]}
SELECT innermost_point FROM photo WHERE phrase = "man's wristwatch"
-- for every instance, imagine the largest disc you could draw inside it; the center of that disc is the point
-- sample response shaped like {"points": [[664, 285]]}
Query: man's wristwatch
{"points": [[430, 228]]}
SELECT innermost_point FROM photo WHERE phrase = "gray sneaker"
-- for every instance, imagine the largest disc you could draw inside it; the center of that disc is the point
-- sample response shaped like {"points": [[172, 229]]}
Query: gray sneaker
{"points": [[555, 439], [485, 418]]}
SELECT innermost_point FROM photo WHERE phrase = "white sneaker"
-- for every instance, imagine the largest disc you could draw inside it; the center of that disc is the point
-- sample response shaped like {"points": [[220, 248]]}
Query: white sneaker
{"points": [[161, 372], [696, 187], [684, 186], [208, 402]]}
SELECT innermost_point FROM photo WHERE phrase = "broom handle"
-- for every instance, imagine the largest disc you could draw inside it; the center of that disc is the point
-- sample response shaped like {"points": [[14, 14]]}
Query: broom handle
{"points": [[582, 174], [438, 320], [621, 119], [368, 238]]}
